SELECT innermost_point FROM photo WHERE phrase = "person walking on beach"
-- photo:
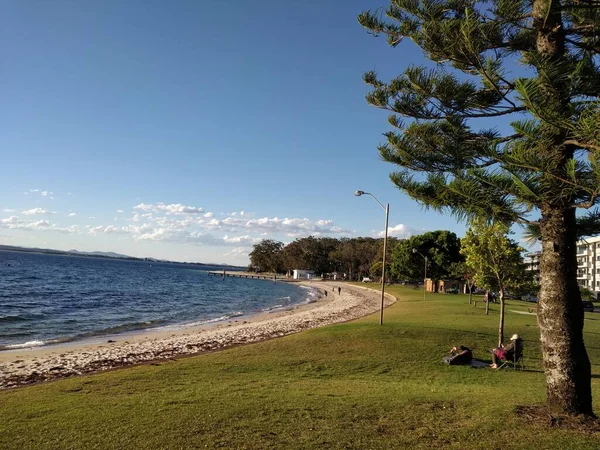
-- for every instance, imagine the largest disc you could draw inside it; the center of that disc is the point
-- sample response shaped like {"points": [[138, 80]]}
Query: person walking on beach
{"points": [[325, 291], [339, 291]]}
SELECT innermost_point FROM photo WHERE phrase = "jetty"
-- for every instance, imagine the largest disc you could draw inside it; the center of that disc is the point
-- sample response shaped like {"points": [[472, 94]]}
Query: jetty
{"points": [[224, 273]]}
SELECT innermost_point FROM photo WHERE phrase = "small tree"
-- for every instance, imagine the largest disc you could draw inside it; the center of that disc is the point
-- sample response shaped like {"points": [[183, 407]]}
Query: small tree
{"points": [[464, 272], [587, 294], [496, 260]]}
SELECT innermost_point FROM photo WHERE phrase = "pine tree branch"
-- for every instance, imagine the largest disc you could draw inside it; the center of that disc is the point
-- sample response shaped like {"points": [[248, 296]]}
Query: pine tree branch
{"points": [[455, 114], [589, 5], [583, 45], [556, 177], [483, 72], [582, 144], [591, 202]]}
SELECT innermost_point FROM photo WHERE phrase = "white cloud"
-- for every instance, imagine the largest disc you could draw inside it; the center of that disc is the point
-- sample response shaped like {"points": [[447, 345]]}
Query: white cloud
{"points": [[296, 226], [13, 222], [178, 223], [174, 208], [34, 190], [8, 210], [35, 211], [239, 239], [73, 229], [238, 251], [46, 193], [11, 219], [109, 229], [72, 214], [400, 231]]}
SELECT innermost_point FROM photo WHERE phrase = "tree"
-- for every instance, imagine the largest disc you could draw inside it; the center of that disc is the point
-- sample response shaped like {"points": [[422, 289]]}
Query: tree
{"points": [[442, 248], [545, 169], [496, 260], [356, 256], [310, 253], [463, 271], [267, 255], [587, 294]]}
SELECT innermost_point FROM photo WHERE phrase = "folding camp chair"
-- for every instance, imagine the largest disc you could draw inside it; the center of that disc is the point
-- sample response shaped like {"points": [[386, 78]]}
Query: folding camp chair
{"points": [[516, 361]]}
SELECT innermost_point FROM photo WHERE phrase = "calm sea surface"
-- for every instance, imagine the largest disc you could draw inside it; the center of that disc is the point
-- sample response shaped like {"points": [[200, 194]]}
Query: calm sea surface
{"points": [[47, 299]]}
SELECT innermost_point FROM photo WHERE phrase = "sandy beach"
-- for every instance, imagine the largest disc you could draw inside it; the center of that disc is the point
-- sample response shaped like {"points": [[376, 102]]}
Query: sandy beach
{"points": [[26, 366]]}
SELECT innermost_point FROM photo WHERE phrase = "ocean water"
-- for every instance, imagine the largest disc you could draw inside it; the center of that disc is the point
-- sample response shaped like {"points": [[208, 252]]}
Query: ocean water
{"points": [[47, 299]]}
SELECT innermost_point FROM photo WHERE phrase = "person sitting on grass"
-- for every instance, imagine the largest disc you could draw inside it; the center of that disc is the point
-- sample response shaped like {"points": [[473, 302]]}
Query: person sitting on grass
{"points": [[460, 355], [507, 352]]}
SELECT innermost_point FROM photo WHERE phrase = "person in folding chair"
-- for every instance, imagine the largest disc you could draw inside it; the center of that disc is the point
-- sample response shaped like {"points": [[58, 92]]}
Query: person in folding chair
{"points": [[510, 353]]}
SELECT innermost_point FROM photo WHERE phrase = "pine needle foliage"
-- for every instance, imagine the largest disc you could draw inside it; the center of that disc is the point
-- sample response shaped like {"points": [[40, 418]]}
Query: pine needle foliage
{"points": [[446, 162]]}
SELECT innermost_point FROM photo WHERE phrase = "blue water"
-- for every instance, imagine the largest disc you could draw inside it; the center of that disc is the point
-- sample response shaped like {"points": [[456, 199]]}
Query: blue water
{"points": [[46, 299]]}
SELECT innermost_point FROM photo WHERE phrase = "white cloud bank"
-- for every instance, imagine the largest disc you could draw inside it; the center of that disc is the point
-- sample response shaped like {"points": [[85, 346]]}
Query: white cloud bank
{"points": [[15, 223], [34, 211], [179, 223], [400, 231], [174, 208]]}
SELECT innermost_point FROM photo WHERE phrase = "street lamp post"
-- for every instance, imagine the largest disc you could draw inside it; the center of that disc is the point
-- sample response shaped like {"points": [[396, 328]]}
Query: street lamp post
{"points": [[387, 213], [414, 250]]}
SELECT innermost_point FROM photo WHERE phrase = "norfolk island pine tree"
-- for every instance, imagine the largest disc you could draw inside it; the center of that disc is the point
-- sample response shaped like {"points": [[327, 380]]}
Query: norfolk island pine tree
{"points": [[541, 173]]}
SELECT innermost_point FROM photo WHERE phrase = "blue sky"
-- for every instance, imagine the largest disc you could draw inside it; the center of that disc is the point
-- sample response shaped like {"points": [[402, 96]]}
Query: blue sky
{"points": [[191, 130]]}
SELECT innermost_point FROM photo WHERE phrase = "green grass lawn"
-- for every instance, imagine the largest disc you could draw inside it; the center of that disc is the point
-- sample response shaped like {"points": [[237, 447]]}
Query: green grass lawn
{"points": [[357, 385]]}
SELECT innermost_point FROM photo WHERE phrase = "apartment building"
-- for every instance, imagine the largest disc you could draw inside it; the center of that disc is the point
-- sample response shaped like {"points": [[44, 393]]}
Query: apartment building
{"points": [[588, 264], [532, 262]]}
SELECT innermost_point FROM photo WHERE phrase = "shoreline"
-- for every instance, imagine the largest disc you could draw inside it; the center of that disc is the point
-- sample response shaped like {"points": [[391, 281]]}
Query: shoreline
{"points": [[177, 327], [24, 366]]}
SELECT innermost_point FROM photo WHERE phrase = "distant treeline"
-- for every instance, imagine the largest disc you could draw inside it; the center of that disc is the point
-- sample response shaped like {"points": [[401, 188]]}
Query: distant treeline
{"points": [[362, 256]]}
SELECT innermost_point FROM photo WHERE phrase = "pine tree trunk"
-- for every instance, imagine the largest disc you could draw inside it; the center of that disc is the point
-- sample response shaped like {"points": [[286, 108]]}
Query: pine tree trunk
{"points": [[560, 316], [501, 324]]}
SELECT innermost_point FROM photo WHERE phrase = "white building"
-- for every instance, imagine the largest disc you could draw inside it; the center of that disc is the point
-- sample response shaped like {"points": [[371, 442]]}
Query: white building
{"points": [[588, 263], [303, 274], [532, 261]]}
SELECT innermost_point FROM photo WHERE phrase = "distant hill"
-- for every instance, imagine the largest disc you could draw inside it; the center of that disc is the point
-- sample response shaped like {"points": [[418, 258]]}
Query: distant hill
{"points": [[105, 254], [111, 255]]}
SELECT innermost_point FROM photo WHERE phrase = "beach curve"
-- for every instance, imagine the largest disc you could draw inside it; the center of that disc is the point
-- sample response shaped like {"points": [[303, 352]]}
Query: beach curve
{"points": [[28, 366]]}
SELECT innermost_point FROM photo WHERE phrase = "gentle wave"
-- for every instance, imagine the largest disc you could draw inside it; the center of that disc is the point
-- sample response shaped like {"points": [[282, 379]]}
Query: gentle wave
{"points": [[13, 319], [24, 345], [132, 326], [202, 322], [271, 308]]}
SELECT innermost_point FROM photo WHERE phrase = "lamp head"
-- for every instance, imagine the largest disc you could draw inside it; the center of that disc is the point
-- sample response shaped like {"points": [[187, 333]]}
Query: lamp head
{"points": [[359, 193], [414, 250]]}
